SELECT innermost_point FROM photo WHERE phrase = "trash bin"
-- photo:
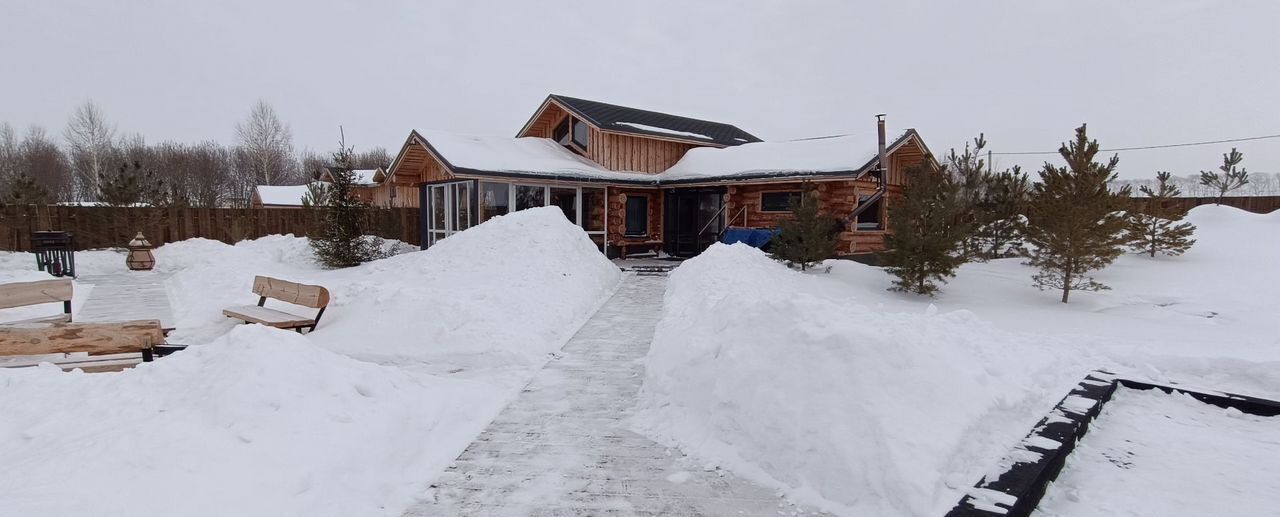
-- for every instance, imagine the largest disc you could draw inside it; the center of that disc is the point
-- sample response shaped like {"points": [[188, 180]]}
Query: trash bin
{"points": [[55, 253]]}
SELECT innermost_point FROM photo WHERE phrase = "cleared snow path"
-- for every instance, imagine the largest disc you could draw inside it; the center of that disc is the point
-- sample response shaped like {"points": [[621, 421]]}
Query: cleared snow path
{"points": [[135, 295], [562, 447]]}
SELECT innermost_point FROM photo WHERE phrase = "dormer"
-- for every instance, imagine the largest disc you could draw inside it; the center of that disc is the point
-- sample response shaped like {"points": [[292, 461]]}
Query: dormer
{"points": [[626, 139]]}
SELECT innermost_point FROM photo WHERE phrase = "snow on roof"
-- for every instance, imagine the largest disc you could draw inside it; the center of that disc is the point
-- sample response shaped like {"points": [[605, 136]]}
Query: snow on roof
{"points": [[672, 132], [365, 176], [845, 153], [528, 155], [281, 195]]}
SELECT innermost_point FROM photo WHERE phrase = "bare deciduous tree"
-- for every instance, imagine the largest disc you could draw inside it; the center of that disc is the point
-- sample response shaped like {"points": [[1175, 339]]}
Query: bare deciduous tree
{"points": [[91, 141], [266, 144], [43, 162]]}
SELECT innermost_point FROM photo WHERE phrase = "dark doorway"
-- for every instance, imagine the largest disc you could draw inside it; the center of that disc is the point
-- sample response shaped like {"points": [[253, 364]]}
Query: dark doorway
{"points": [[693, 220]]}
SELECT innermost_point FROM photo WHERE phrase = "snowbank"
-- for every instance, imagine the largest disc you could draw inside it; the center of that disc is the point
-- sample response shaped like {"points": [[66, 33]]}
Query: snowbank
{"points": [[778, 377], [259, 422]]}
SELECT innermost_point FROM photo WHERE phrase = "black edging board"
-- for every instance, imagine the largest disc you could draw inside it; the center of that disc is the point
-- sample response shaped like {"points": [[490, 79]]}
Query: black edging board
{"points": [[1017, 491]]}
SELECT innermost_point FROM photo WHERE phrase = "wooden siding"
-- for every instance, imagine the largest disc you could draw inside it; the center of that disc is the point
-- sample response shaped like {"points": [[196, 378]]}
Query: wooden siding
{"points": [[406, 196], [618, 215], [614, 151], [417, 166]]}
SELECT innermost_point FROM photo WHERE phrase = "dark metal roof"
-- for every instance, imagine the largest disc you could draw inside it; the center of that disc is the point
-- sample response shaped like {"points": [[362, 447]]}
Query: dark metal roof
{"points": [[612, 117]]}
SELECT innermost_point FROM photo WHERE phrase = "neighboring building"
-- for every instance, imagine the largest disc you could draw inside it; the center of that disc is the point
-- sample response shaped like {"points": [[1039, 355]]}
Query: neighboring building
{"points": [[372, 187], [642, 179], [279, 196]]}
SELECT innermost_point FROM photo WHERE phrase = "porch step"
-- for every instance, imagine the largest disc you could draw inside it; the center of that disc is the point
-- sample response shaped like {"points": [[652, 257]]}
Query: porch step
{"points": [[651, 270]]}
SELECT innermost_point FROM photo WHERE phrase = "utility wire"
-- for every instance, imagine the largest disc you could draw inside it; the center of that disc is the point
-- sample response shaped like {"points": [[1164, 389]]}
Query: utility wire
{"points": [[1166, 146]]}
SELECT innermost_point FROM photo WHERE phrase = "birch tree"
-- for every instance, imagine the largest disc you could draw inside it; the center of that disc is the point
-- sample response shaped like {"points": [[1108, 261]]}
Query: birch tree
{"points": [[266, 144], [91, 141]]}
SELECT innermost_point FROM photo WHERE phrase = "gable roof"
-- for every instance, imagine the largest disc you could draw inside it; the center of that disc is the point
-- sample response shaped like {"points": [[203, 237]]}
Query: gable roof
{"points": [[542, 158], [621, 119]]}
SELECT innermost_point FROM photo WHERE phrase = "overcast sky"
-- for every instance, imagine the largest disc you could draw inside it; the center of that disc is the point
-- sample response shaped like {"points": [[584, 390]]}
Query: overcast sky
{"points": [[1024, 72]]}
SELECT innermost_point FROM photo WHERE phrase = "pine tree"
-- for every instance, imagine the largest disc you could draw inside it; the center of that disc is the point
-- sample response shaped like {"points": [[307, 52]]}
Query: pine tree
{"points": [[342, 241], [1074, 221], [25, 191], [1155, 228], [969, 174], [1230, 179], [1000, 212], [130, 185], [809, 235], [317, 195], [930, 226]]}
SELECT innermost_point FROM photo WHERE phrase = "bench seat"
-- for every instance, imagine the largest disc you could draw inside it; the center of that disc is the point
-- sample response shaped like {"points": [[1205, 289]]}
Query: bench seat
{"points": [[268, 317]]}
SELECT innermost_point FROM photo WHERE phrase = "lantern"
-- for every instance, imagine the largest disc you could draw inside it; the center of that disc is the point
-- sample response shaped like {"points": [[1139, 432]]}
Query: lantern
{"points": [[140, 257]]}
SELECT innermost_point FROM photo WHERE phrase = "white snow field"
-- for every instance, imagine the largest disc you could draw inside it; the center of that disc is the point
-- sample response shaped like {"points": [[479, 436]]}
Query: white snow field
{"points": [[1153, 453], [413, 358], [866, 402]]}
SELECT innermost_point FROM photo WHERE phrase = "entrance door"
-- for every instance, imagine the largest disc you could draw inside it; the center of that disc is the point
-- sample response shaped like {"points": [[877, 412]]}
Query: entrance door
{"points": [[693, 220]]}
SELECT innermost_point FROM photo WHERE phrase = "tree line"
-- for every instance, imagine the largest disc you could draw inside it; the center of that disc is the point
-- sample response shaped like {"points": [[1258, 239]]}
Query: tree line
{"points": [[94, 163], [1073, 221]]}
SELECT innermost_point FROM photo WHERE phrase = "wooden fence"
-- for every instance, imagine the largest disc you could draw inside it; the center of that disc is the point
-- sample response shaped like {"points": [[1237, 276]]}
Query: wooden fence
{"points": [[1255, 204], [105, 227]]}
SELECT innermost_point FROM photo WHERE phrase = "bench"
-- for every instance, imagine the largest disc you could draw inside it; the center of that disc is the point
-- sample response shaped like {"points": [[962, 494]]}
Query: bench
{"points": [[92, 347], [313, 296], [22, 294]]}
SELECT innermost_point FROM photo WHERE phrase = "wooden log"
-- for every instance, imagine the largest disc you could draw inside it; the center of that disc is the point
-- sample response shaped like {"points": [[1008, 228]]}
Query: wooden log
{"points": [[92, 338]]}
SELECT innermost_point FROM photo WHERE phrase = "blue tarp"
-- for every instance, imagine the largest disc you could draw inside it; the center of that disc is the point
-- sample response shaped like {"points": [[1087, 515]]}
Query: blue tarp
{"points": [[754, 237]]}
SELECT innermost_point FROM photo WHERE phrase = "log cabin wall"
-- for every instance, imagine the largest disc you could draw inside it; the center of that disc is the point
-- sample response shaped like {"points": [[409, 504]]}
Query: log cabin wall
{"points": [[618, 215]]}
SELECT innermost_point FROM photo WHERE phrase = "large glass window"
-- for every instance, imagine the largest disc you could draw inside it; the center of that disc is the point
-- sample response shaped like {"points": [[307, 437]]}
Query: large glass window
{"points": [[561, 133], [529, 196], [593, 209], [494, 200], [462, 206], [637, 216], [567, 199]]}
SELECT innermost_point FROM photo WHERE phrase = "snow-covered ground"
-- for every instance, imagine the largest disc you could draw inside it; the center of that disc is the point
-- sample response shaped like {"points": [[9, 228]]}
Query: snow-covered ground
{"points": [[414, 356], [867, 402], [1152, 453]]}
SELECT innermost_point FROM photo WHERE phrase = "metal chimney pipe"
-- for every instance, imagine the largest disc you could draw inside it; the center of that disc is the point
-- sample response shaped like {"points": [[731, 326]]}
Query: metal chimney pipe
{"points": [[884, 158]]}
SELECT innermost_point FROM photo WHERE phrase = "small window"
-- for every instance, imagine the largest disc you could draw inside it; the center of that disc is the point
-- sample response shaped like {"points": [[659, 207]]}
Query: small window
{"points": [[870, 219], [778, 201], [581, 132], [561, 134], [637, 216]]}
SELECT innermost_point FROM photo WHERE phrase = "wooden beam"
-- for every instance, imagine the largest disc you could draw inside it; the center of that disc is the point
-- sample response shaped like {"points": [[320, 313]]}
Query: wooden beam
{"points": [[92, 338]]}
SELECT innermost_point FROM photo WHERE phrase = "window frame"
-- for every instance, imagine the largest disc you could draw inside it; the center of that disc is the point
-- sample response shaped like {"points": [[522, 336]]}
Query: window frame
{"points": [[791, 194], [878, 210]]}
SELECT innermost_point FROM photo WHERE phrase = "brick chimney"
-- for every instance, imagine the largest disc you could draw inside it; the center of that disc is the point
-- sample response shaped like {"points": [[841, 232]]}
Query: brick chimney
{"points": [[884, 157]]}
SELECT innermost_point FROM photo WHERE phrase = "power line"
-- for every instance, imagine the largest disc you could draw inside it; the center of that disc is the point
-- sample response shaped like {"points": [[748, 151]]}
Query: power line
{"points": [[1166, 146]]}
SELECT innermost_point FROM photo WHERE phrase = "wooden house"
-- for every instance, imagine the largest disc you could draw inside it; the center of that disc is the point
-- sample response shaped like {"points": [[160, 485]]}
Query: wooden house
{"points": [[637, 179]]}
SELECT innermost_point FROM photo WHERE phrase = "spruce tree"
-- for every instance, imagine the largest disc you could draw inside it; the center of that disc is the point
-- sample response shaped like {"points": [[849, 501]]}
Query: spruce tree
{"points": [[1155, 227], [1230, 178], [809, 235], [342, 241], [930, 226], [999, 215], [1074, 221]]}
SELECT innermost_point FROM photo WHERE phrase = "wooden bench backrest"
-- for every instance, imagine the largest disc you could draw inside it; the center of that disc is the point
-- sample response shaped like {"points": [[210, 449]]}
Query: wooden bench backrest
{"points": [[93, 338], [313, 296], [20, 294]]}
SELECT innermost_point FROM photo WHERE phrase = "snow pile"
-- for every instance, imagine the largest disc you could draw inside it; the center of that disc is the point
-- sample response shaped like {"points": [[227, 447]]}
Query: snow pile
{"points": [[788, 380], [1175, 448], [260, 422]]}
